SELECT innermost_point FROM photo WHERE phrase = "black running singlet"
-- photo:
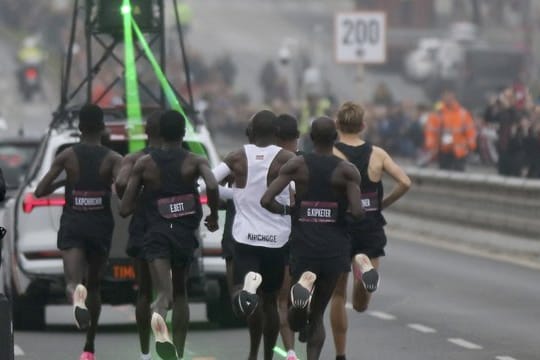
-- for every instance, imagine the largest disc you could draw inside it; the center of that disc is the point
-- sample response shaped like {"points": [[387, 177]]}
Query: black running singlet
{"points": [[318, 219], [175, 201], [90, 193], [372, 192]]}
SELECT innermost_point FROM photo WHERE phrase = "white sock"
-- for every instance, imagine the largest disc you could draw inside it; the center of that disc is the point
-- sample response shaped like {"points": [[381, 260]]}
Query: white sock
{"points": [[146, 356], [291, 353]]}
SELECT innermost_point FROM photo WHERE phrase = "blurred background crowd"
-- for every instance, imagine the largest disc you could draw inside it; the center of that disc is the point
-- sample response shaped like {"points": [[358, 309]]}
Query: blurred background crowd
{"points": [[463, 118]]}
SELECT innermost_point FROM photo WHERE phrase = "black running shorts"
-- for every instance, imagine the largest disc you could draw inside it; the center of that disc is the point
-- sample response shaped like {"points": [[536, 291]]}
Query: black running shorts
{"points": [[322, 267], [134, 247], [371, 243], [91, 232], [268, 262], [167, 240]]}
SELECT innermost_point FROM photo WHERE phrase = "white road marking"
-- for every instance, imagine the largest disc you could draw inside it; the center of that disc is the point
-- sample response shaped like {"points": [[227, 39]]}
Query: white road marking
{"points": [[381, 315], [465, 344], [504, 358], [18, 351], [422, 328]]}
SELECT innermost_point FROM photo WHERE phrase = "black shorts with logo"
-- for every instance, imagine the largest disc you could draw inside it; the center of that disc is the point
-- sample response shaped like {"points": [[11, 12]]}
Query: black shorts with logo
{"points": [[322, 267], [167, 240], [269, 262], [371, 242], [90, 231]]}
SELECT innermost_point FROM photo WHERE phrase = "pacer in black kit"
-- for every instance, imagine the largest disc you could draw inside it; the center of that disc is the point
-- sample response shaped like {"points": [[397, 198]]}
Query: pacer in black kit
{"points": [[173, 214], [137, 230], [87, 224], [326, 187]]}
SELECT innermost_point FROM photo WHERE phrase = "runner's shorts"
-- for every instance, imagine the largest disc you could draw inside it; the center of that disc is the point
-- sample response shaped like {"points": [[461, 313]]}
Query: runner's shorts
{"points": [[322, 267], [91, 232], [371, 243], [268, 262], [167, 240]]}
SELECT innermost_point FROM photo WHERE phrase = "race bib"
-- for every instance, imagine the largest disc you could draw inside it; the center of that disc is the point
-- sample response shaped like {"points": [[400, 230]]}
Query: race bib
{"points": [[370, 201], [88, 200], [177, 206], [318, 212], [447, 138]]}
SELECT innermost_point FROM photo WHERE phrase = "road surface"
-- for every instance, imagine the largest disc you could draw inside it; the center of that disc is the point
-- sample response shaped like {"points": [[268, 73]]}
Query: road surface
{"points": [[432, 304]]}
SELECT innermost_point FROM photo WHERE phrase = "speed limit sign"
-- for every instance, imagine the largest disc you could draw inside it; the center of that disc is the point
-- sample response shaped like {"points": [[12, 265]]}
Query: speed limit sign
{"points": [[360, 37]]}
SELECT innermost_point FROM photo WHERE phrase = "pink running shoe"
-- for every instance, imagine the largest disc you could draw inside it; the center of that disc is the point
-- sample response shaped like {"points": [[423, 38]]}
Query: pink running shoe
{"points": [[87, 356]]}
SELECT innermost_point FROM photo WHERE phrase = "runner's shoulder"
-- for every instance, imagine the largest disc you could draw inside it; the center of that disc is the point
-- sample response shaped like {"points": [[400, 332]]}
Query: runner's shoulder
{"points": [[380, 153], [285, 155], [196, 158], [234, 156]]}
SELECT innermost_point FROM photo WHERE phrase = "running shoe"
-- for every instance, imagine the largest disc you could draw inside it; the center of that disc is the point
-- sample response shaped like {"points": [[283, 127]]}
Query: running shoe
{"points": [[80, 311], [247, 297], [87, 356], [164, 346], [301, 291], [365, 272], [291, 355]]}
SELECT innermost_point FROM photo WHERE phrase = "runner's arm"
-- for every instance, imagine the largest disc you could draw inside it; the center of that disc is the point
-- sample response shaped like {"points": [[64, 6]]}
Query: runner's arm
{"points": [[129, 199], [226, 193], [212, 193], [47, 185], [123, 174], [403, 183], [284, 179], [353, 180], [211, 185], [220, 172], [116, 164]]}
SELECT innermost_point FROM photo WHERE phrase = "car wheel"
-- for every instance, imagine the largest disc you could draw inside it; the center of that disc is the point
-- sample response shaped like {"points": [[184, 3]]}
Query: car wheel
{"points": [[219, 309]]}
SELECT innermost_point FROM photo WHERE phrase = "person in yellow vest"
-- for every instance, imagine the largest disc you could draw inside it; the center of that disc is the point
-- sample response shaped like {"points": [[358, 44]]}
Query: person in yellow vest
{"points": [[313, 107], [185, 13]]}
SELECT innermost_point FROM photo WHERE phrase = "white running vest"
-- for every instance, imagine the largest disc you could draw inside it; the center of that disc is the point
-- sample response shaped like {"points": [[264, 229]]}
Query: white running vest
{"points": [[254, 225]]}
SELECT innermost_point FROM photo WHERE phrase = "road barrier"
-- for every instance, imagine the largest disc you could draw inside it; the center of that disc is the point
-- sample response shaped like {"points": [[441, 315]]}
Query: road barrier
{"points": [[484, 200]]}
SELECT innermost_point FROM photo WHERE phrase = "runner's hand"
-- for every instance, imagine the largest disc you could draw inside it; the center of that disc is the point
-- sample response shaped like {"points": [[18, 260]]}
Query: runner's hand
{"points": [[211, 223]]}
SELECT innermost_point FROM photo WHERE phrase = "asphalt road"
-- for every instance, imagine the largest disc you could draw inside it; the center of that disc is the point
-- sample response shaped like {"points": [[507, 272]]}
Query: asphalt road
{"points": [[432, 304]]}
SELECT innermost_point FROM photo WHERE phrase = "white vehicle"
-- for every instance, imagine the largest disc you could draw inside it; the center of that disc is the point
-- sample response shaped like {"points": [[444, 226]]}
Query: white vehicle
{"points": [[421, 63], [32, 270]]}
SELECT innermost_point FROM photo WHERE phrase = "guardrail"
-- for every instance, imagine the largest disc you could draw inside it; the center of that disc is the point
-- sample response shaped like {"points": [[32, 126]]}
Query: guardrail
{"points": [[484, 200]]}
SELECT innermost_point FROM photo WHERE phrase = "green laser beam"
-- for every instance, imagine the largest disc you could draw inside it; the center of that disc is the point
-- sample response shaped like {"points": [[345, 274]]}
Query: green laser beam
{"points": [[196, 147], [281, 352], [133, 103]]}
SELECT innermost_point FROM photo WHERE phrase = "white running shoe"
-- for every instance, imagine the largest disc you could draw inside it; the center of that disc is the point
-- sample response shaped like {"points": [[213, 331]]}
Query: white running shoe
{"points": [[365, 272], [247, 297], [301, 291], [80, 311], [164, 346]]}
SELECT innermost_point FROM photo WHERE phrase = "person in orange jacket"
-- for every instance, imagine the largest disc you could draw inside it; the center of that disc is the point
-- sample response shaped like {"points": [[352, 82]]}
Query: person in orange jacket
{"points": [[450, 134]]}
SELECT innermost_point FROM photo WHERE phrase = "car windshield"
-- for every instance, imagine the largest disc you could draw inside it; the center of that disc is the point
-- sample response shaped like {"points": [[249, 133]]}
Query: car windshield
{"points": [[15, 160]]}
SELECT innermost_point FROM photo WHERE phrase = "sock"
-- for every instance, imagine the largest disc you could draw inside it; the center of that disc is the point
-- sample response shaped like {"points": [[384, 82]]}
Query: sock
{"points": [[146, 356], [291, 353], [340, 357], [89, 348]]}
